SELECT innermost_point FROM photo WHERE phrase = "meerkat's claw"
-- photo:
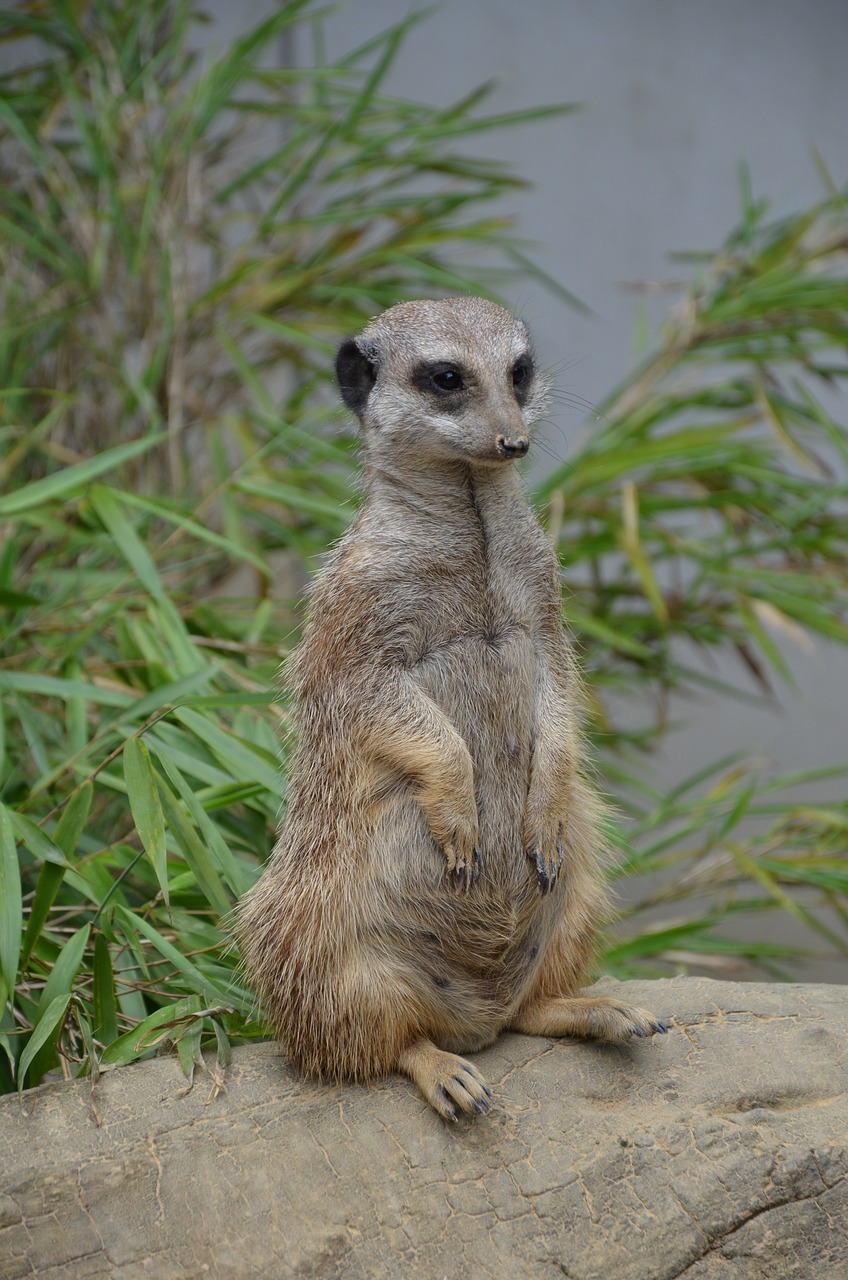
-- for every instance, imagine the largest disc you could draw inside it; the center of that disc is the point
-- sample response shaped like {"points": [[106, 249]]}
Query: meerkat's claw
{"points": [[621, 1022], [461, 876], [448, 1082], [542, 872], [643, 1024], [465, 874], [474, 869], [546, 871], [596, 1017], [546, 852]]}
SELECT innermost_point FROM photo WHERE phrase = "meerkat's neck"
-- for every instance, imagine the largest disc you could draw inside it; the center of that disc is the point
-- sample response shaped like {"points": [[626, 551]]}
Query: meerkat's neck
{"points": [[440, 491]]}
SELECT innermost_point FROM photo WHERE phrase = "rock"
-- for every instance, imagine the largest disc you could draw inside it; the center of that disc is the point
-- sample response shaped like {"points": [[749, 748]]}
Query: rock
{"points": [[717, 1152]]}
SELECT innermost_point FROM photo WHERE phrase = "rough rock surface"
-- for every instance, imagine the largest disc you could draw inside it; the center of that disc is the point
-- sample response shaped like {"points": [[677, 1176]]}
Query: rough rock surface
{"points": [[718, 1151]]}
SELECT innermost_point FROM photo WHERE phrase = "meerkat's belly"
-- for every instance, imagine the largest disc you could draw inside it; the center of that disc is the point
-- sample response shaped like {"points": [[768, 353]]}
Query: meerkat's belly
{"points": [[470, 955]]}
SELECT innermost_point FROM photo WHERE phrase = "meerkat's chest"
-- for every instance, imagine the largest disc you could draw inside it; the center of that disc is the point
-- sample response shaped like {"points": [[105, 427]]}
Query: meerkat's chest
{"points": [[476, 651], [473, 627], [493, 588]]}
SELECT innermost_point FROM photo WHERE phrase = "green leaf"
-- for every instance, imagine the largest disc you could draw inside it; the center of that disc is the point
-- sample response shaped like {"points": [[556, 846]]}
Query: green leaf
{"points": [[7, 1065], [242, 760], [201, 985], [16, 599], [188, 1043], [197, 530], [61, 978], [105, 1003], [67, 836], [49, 879], [593, 626], [11, 905], [230, 867], [106, 504], [140, 1040], [146, 809], [42, 1042], [166, 695], [194, 851], [68, 482], [224, 1053], [74, 817], [47, 686], [301, 500]]}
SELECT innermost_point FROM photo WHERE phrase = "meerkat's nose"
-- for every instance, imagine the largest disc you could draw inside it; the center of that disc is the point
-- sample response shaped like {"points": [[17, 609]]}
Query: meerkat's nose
{"points": [[512, 446]]}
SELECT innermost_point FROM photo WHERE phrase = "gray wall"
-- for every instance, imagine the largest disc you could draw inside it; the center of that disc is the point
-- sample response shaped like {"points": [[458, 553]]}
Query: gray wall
{"points": [[676, 93]]}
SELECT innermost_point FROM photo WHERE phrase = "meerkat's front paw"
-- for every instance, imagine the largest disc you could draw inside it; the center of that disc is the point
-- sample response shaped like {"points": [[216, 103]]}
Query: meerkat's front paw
{"points": [[545, 852], [447, 1081], [457, 835], [465, 872]]}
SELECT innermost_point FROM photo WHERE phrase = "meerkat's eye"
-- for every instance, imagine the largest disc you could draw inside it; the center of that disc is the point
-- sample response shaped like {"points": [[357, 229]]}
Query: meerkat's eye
{"points": [[447, 379], [441, 378], [521, 371]]}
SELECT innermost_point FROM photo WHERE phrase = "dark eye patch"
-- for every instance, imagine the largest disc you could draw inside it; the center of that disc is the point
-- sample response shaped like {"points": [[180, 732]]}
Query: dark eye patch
{"points": [[442, 378], [522, 373], [447, 380]]}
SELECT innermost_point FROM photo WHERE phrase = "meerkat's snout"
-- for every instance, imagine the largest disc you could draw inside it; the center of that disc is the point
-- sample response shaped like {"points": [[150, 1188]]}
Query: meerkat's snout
{"points": [[512, 446]]}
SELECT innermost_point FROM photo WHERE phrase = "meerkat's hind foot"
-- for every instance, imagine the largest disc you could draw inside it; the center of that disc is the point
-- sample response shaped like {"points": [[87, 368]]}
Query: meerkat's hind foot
{"points": [[599, 1018], [447, 1081]]}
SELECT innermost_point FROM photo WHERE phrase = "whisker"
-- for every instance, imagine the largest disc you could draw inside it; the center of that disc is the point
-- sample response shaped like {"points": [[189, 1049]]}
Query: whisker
{"points": [[573, 401], [541, 446], [543, 443], [562, 366]]}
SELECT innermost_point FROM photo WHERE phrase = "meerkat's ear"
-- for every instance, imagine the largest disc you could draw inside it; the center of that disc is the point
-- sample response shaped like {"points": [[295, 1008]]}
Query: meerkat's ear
{"points": [[356, 372]]}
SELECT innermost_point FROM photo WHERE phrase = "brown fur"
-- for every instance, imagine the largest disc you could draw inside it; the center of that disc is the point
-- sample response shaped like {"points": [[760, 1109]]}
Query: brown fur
{"points": [[439, 728]]}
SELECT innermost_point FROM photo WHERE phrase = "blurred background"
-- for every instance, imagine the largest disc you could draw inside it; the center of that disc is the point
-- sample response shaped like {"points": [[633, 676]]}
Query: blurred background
{"points": [[196, 204]]}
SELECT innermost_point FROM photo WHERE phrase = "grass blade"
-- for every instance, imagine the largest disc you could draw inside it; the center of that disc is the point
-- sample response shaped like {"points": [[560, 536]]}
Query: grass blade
{"points": [[67, 483], [146, 809], [200, 984], [11, 905], [42, 1043], [105, 1027]]}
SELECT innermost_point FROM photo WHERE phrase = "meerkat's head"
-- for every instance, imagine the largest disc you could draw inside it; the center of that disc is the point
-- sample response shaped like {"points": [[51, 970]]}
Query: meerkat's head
{"points": [[453, 379]]}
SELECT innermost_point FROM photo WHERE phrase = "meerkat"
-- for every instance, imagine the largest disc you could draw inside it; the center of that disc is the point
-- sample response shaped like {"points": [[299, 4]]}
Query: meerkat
{"points": [[438, 877]]}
